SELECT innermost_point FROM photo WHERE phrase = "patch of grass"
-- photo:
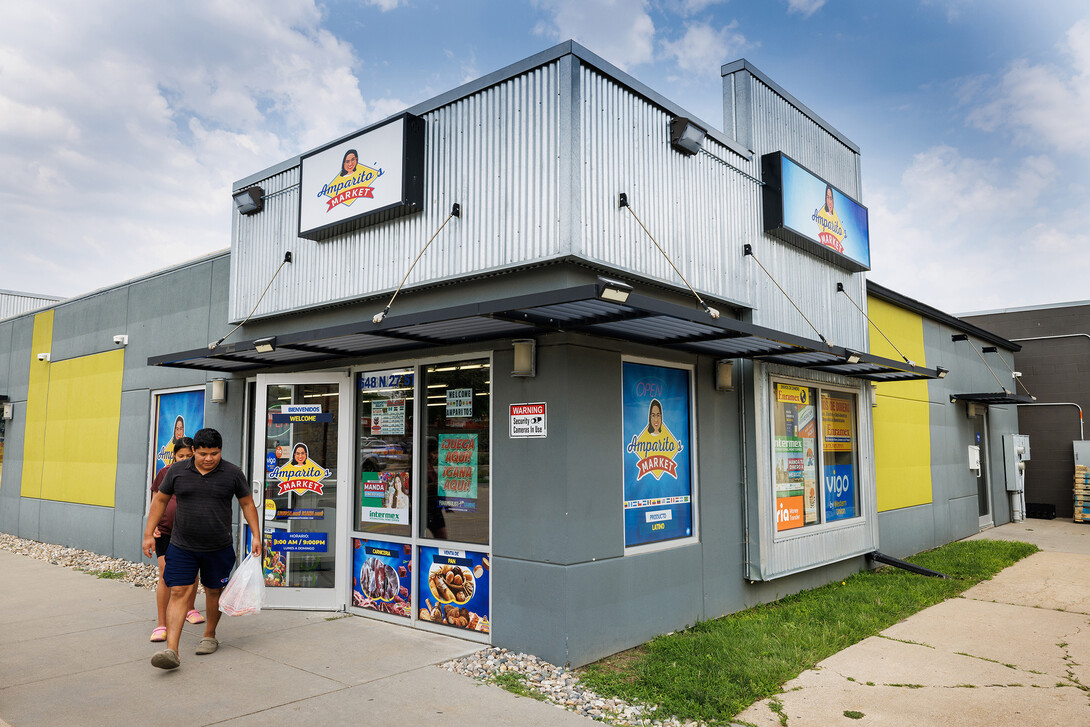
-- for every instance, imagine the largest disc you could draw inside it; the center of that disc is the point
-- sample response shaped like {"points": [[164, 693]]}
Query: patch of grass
{"points": [[777, 706], [716, 669], [112, 575], [852, 714], [516, 684]]}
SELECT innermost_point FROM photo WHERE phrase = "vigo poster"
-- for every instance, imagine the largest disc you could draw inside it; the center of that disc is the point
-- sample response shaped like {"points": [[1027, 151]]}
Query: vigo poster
{"points": [[656, 451]]}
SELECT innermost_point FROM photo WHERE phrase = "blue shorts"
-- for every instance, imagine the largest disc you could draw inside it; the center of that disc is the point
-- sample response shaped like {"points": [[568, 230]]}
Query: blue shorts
{"points": [[182, 566]]}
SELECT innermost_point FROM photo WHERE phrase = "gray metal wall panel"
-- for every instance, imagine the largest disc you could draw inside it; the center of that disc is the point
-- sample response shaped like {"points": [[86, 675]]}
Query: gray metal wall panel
{"points": [[698, 209], [86, 527], [494, 152]]}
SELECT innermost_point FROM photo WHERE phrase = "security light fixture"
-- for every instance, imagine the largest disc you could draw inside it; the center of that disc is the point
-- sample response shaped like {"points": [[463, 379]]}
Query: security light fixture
{"points": [[9, 411], [219, 391], [685, 136], [941, 372], [724, 375], [851, 356], [249, 201], [525, 357], [265, 345], [613, 290]]}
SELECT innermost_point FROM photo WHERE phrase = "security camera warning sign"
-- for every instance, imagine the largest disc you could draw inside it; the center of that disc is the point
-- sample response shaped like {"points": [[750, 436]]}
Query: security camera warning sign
{"points": [[528, 421]]}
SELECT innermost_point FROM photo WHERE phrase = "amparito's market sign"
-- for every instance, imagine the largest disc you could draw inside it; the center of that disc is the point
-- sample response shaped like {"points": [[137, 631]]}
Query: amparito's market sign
{"points": [[375, 175]]}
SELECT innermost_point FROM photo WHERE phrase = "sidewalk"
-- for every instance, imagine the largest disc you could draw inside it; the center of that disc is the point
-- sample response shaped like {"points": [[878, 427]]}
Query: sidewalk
{"points": [[74, 650], [1012, 650]]}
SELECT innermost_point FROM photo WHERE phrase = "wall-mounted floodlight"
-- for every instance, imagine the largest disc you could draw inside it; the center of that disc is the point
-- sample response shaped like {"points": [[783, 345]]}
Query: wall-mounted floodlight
{"points": [[525, 359], [724, 375], [265, 345], [941, 372], [851, 356], [249, 201], [613, 290], [685, 136], [219, 391], [9, 411]]}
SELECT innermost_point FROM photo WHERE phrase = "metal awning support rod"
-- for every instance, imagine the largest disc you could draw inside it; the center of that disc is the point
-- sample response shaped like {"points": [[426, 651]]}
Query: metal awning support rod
{"points": [[623, 202], [903, 564], [964, 337], [840, 289], [748, 250], [455, 211], [1018, 377]]}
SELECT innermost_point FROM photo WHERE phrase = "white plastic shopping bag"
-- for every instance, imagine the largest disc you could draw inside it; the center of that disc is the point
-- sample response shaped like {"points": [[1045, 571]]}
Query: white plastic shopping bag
{"points": [[245, 592]]}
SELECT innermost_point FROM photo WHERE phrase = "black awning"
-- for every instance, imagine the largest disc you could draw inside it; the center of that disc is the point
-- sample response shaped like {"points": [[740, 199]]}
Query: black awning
{"points": [[999, 397], [639, 319]]}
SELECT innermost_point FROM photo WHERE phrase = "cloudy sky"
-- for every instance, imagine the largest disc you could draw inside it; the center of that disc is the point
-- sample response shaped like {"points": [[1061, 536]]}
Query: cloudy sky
{"points": [[124, 123]]}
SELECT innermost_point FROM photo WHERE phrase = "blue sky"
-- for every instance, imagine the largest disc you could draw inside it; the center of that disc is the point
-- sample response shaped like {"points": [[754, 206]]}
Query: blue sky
{"points": [[124, 123]]}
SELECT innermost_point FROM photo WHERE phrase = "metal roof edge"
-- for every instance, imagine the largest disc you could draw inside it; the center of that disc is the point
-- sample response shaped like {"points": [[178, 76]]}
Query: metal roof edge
{"points": [[743, 65], [567, 47], [892, 296], [1028, 308]]}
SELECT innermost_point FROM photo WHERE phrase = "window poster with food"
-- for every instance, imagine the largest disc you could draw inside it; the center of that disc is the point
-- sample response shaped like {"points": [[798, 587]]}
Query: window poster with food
{"points": [[177, 414], [457, 472], [385, 497], [656, 451], [453, 588], [382, 579], [794, 451]]}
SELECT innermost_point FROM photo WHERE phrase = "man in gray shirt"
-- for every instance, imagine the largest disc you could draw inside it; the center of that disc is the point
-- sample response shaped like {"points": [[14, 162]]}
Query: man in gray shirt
{"points": [[205, 488]]}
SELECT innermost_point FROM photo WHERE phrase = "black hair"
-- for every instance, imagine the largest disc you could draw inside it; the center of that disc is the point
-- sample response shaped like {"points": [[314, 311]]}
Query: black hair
{"points": [[207, 438], [652, 405], [345, 158], [183, 443], [828, 189]]}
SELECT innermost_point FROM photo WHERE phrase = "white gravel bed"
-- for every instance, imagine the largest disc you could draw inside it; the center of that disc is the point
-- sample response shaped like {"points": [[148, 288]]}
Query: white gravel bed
{"points": [[141, 575], [559, 686]]}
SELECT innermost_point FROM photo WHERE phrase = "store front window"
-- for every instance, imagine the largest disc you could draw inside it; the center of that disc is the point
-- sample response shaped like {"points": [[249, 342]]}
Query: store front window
{"points": [[384, 435], [808, 440], [457, 466]]}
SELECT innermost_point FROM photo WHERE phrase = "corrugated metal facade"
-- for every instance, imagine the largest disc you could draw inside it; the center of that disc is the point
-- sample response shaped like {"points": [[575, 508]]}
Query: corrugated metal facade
{"points": [[537, 161], [495, 152], [13, 304]]}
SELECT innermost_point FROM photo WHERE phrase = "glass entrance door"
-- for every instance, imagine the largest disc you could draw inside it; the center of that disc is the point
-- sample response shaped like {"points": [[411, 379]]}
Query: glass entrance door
{"points": [[302, 452]]}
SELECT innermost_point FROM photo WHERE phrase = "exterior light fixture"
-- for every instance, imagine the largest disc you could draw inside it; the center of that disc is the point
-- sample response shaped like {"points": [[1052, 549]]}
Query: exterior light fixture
{"points": [[613, 290], [219, 391], [685, 136], [9, 411], [525, 359], [724, 375], [851, 356], [941, 372], [265, 345], [249, 201]]}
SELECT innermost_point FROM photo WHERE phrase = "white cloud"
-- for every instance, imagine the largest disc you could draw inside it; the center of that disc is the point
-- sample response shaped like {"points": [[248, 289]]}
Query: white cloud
{"points": [[1041, 103], [620, 31], [123, 124], [386, 5], [703, 49], [804, 7], [967, 234]]}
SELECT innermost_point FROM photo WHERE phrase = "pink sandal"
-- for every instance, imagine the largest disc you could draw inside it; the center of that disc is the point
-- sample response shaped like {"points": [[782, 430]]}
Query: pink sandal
{"points": [[194, 617], [159, 634]]}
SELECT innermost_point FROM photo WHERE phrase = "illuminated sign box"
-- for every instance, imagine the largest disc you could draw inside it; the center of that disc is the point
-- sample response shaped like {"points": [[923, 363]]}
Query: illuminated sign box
{"points": [[804, 210], [374, 176]]}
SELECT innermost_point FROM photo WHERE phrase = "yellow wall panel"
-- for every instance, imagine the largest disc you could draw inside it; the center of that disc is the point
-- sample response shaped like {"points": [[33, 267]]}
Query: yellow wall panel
{"points": [[37, 398], [902, 434], [83, 422]]}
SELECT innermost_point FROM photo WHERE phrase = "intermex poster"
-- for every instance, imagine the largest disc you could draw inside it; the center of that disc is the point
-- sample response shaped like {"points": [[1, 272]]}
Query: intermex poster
{"points": [[656, 451]]}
